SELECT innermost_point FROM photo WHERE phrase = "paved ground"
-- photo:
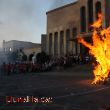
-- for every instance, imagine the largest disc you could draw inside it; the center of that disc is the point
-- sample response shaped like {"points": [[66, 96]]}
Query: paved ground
{"points": [[69, 89]]}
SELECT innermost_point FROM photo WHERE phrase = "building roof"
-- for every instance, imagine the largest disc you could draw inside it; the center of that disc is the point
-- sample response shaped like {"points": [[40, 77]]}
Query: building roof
{"points": [[22, 42], [56, 9]]}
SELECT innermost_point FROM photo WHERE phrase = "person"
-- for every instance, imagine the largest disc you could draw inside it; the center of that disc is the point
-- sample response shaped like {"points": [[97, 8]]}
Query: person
{"points": [[33, 59], [80, 59], [65, 62], [8, 66]]}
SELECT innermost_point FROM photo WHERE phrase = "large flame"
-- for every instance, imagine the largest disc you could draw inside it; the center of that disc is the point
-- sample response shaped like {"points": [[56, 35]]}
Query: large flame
{"points": [[100, 49]]}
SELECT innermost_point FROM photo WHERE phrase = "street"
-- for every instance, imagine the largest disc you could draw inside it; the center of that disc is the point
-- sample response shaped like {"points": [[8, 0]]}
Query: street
{"points": [[69, 89]]}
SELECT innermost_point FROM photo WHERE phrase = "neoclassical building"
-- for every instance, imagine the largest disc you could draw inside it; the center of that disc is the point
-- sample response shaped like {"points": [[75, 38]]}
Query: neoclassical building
{"points": [[66, 22]]}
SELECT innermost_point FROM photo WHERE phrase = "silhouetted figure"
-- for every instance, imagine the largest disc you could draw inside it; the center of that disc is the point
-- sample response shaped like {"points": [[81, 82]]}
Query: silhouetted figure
{"points": [[8, 69]]}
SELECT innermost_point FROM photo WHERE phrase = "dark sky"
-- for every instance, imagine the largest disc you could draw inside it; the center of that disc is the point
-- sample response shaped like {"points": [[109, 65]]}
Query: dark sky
{"points": [[25, 19]]}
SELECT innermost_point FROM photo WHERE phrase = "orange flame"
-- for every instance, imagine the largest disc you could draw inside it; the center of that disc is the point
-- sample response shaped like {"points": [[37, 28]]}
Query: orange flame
{"points": [[100, 49]]}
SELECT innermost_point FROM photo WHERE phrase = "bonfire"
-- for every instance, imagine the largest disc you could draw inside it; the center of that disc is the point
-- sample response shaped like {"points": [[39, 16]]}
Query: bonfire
{"points": [[100, 49]]}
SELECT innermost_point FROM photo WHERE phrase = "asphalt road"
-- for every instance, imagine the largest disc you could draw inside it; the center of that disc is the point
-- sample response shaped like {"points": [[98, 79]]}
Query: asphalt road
{"points": [[69, 89]]}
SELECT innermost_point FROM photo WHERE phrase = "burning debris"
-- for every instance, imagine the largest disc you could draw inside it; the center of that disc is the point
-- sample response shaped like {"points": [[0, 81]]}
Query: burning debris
{"points": [[100, 49]]}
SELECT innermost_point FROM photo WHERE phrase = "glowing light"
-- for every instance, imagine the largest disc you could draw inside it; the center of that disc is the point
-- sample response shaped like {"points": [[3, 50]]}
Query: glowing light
{"points": [[10, 49]]}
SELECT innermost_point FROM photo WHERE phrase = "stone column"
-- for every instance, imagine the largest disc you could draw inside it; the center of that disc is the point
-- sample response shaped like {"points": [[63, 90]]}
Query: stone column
{"points": [[74, 48], [59, 44], [78, 48], [62, 42], [53, 41]]}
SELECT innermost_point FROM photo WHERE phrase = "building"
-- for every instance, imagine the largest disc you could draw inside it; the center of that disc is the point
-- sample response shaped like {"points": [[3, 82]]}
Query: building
{"points": [[34, 50], [43, 42], [65, 23], [22, 47], [15, 45]]}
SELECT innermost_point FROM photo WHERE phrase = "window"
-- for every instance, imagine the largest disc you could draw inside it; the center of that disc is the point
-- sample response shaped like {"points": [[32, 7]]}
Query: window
{"points": [[97, 8], [56, 43], [62, 43], [83, 19], [90, 13]]}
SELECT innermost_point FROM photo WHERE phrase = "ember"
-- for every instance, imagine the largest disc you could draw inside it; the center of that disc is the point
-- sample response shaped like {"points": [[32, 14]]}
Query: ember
{"points": [[100, 49]]}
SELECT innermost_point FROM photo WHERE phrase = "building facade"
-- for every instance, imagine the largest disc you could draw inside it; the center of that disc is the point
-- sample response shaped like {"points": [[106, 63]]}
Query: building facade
{"points": [[22, 47], [43, 42], [34, 50], [65, 23], [15, 45]]}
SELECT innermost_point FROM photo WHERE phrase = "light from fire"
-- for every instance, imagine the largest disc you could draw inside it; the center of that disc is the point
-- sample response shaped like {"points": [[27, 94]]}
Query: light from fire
{"points": [[100, 49]]}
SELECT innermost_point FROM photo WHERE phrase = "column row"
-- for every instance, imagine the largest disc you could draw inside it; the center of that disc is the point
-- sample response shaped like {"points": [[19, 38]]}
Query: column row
{"points": [[60, 43]]}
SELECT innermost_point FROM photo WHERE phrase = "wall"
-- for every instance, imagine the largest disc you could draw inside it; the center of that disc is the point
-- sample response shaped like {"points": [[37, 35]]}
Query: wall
{"points": [[68, 17]]}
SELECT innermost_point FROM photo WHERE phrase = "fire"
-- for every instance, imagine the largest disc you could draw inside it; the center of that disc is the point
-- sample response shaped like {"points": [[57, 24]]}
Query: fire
{"points": [[100, 49]]}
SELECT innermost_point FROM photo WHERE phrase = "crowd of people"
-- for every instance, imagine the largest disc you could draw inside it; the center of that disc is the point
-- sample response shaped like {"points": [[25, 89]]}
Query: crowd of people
{"points": [[51, 63]]}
